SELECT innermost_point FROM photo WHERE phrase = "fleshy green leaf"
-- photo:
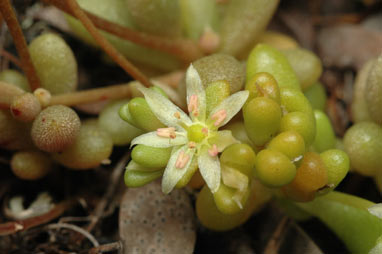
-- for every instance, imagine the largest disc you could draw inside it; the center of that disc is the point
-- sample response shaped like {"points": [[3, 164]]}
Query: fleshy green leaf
{"points": [[153, 140], [223, 139], [164, 109], [133, 166], [195, 87], [209, 168], [231, 105], [172, 174]]}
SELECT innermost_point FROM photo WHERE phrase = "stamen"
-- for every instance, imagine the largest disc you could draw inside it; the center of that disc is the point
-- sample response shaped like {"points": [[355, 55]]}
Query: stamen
{"points": [[193, 105], [191, 144], [205, 131], [177, 115], [219, 117], [213, 151], [182, 160], [166, 132]]}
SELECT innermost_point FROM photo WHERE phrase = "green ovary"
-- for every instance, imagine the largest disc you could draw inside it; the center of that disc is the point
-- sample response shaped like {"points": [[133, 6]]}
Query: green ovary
{"points": [[195, 133]]}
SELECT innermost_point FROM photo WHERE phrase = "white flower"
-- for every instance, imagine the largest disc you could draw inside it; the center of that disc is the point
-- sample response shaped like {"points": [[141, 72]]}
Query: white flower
{"points": [[193, 135]]}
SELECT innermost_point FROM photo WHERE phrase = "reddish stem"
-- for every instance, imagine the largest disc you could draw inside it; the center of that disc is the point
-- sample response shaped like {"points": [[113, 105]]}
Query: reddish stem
{"points": [[21, 225], [11, 58], [106, 45], [185, 50], [14, 28]]}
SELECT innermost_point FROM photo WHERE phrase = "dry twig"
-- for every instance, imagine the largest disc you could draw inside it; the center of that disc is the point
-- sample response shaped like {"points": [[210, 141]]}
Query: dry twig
{"points": [[14, 28], [106, 45]]}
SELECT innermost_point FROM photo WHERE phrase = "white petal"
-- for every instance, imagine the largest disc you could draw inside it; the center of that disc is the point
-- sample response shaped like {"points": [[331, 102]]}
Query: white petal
{"points": [[163, 108], [376, 210], [223, 139], [231, 105], [234, 179], [172, 174], [209, 168], [195, 87], [153, 140]]}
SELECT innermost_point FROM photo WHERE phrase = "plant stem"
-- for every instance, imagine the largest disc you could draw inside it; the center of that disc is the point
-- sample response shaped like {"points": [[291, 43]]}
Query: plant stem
{"points": [[183, 49], [106, 45], [21, 225], [14, 28], [11, 57], [92, 95]]}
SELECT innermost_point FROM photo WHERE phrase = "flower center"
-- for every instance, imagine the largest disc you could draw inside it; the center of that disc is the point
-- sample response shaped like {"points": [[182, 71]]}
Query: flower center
{"points": [[197, 133]]}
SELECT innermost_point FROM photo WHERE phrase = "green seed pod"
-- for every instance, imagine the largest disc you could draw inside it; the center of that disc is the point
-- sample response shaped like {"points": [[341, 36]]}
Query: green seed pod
{"points": [[30, 165], [337, 165], [359, 109], [156, 17], [25, 107], [212, 218], [120, 131], [91, 147], [14, 135], [325, 138], [239, 156], [221, 67], [295, 101], [273, 168], [290, 143], [263, 84], [225, 202], [264, 58], [115, 11], [151, 157], [15, 78], [55, 128], [244, 21], [316, 95], [301, 123], [197, 15], [306, 65], [363, 144], [310, 178], [55, 63], [216, 92], [373, 91], [261, 119], [142, 115]]}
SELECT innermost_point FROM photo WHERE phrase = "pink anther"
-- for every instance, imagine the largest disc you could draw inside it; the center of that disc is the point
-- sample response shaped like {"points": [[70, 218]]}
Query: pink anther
{"points": [[205, 131], [213, 151], [166, 132], [193, 105], [177, 115], [219, 117], [182, 160], [191, 144]]}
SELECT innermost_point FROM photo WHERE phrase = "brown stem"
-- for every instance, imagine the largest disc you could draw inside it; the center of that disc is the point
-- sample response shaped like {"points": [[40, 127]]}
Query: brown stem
{"points": [[106, 45], [11, 58], [185, 50], [108, 93], [92, 95], [21, 225], [14, 28]]}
